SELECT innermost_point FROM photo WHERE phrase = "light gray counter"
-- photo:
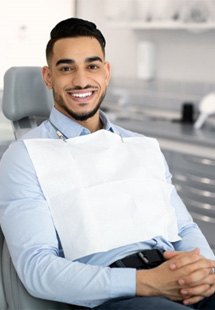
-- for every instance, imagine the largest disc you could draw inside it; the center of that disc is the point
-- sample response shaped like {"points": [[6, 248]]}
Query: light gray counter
{"points": [[174, 135]]}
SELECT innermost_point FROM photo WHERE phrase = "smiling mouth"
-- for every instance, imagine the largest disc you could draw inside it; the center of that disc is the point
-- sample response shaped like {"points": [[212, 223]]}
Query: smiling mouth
{"points": [[81, 95]]}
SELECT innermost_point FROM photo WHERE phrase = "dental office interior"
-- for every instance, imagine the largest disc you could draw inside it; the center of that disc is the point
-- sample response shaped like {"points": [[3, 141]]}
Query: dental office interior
{"points": [[163, 78]]}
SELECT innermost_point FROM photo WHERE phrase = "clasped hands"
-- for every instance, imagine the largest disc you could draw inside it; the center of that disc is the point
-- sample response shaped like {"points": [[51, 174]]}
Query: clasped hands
{"points": [[184, 276]]}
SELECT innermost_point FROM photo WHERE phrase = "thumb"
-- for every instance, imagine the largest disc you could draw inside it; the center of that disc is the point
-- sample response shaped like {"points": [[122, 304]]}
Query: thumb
{"points": [[170, 254]]}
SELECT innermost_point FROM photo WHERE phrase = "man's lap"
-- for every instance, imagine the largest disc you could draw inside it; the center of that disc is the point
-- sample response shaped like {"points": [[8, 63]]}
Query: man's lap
{"points": [[141, 303], [151, 303]]}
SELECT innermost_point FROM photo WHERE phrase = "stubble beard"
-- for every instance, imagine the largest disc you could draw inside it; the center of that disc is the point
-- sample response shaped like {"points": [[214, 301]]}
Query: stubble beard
{"points": [[81, 116]]}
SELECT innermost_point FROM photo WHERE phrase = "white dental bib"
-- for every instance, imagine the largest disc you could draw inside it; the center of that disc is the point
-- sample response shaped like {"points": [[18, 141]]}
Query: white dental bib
{"points": [[104, 191]]}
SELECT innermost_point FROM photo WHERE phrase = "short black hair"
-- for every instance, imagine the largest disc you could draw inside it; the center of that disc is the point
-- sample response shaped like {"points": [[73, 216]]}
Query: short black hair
{"points": [[71, 28]]}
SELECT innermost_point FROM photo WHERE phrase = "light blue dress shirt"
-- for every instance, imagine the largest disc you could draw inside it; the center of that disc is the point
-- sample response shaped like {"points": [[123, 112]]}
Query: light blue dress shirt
{"points": [[32, 239]]}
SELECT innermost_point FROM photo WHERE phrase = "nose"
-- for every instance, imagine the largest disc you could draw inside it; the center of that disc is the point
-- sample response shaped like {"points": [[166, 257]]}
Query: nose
{"points": [[80, 78]]}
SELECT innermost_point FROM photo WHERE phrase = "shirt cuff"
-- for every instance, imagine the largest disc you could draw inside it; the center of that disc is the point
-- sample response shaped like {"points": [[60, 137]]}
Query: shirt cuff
{"points": [[123, 282]]}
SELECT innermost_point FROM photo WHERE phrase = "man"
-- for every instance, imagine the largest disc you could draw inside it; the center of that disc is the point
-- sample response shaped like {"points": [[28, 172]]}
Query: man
{"points": [[75, 257]]}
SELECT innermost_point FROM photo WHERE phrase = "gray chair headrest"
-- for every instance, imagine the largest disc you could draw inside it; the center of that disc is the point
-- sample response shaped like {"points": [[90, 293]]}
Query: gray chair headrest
{"points": [[25, 94]]}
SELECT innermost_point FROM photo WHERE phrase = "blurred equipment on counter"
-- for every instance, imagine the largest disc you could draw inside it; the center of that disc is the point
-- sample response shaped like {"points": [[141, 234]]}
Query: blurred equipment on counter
{"points": [[185, 11], [146, 60], [195, 11], [206, 108], [116, 10], [187, 113]]}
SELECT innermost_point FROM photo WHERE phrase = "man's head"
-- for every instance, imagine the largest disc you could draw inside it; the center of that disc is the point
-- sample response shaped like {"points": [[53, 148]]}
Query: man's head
{"points": [[77, 71], [73, 28]]}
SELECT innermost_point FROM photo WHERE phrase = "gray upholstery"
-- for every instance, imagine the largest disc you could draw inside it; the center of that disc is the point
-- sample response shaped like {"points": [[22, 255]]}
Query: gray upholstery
{"points": [[3, 303], [16, 295], [25, 101], [25, 94]]}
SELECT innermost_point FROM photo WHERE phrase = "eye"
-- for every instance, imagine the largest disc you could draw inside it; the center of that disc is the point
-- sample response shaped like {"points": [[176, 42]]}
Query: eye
{"points": [[93, 66], [66, 69]]}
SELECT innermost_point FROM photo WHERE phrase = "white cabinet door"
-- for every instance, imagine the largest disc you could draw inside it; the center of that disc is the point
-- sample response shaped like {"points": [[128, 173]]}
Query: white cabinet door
{"points": [[25, 26]]}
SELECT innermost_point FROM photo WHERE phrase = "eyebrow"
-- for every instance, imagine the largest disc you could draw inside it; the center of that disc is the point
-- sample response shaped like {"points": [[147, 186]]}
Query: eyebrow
{"points": [[69, 61]]}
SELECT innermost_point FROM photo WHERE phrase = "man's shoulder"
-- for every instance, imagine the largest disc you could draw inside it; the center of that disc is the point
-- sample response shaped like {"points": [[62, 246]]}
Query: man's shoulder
{"points": [[39, 132], [17, 152], [125, 132]]}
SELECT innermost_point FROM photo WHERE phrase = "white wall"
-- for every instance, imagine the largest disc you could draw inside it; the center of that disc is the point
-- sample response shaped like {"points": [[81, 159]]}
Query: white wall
{"points": [[24, 30], [181, 55]]}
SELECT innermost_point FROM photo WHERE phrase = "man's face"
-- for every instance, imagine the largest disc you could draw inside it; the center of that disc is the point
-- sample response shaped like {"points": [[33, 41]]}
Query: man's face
{"points": [[78, 76]]}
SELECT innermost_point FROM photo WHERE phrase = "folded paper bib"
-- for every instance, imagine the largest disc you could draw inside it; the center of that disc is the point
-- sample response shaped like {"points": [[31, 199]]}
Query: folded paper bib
{"points": [[104, 191]]}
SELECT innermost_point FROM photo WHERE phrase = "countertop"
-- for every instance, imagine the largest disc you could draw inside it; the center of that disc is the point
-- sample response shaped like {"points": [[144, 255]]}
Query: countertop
{"points": [[175, 136], [167, 127]]}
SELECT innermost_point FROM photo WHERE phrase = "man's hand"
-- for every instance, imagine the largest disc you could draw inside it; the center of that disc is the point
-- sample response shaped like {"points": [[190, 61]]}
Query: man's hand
{"points": [[161, 281], [199, 282]]}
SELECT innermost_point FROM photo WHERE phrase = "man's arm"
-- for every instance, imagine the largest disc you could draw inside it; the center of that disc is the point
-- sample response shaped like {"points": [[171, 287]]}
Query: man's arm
{"points": [[31, 238]]}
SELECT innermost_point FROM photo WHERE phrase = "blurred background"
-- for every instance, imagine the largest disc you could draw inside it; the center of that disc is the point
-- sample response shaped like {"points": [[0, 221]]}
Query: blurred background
{"points": [[179, 33]]}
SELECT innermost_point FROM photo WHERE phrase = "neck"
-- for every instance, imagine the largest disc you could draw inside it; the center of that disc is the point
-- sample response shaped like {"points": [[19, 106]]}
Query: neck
{"points": [[92, 125]]}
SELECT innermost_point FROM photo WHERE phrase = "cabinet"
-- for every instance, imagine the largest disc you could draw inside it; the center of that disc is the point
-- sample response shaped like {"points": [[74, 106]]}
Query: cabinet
{"points": [[194, 178]]}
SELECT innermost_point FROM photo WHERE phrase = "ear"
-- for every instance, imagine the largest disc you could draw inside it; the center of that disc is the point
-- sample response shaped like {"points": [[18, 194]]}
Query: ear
{"points": [[108, 72], [46, 74]]}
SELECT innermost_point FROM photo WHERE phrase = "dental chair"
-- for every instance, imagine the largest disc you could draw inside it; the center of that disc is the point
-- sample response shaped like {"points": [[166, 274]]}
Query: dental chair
{"points": [[26, 102]]}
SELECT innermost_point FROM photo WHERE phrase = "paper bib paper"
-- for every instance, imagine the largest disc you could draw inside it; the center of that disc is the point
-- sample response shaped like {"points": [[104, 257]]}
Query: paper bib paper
{"points": [[104, 191]]}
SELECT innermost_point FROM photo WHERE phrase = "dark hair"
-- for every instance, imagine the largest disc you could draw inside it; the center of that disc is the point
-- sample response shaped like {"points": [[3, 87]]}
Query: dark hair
{"points": [[74, 27]]}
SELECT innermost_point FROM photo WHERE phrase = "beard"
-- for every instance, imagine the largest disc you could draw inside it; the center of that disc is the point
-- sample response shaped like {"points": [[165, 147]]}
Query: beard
{"points": [[77, 116]]}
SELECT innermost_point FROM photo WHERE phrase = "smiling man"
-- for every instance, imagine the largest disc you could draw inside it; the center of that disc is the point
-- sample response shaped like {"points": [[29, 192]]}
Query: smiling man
{"points": [[78, 75], [87, 208]]}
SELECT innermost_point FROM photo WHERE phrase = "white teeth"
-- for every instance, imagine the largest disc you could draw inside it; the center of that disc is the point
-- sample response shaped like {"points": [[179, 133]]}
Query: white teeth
{"points": [[82, 95]]}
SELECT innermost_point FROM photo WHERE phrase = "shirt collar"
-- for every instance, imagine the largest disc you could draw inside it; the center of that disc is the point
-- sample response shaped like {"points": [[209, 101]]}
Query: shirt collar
{"points": [[70, 128]]}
